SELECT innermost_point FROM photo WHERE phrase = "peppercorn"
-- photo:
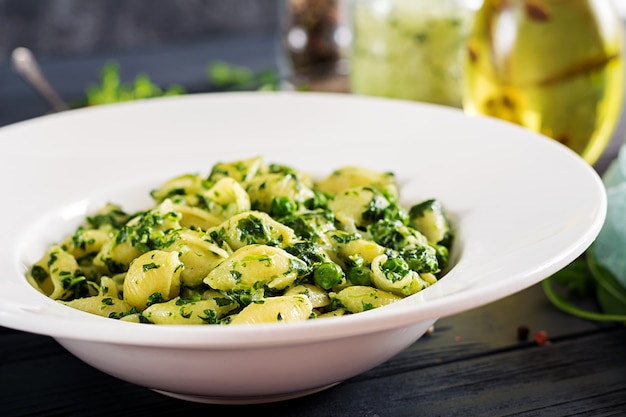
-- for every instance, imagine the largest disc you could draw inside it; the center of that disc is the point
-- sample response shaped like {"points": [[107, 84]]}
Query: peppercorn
{"points": [[541, 338]]}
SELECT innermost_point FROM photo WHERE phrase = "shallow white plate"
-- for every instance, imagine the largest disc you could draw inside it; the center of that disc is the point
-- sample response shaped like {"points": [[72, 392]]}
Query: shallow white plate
{"points": [[523, 206]]}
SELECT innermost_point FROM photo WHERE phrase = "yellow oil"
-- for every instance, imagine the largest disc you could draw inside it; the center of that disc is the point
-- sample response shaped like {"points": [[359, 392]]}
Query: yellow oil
{"points": [[553, 66]]}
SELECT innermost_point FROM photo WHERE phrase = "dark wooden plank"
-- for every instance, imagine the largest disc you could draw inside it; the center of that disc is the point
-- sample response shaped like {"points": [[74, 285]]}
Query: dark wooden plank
{"points": [[574, 374], [582, 375]]}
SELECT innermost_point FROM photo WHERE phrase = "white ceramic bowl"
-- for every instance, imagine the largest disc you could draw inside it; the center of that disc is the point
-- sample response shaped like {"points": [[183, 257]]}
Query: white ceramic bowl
{"points": [[523, 206]]}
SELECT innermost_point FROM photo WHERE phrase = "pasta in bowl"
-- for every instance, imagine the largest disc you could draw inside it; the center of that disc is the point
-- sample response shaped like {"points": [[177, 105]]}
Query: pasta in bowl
{"points": [[249, 243], [93, 259]]}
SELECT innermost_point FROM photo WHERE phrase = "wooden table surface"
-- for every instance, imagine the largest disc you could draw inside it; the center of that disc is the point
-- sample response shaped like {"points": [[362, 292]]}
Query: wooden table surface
{"points": [[473, 364]]}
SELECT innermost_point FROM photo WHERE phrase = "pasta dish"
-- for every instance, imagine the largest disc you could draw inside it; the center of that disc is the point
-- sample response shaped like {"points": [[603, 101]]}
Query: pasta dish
{"points": [[250, 242]]}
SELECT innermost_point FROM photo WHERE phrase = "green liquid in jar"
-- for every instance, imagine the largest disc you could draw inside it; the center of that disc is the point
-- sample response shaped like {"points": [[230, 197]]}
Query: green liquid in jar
{"points": [[409, 49], [553, 66]]}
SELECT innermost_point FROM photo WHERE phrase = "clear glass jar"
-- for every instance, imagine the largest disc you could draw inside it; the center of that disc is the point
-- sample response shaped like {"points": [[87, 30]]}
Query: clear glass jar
{"points": [[553, 66], [410, 49], [315, 38]]}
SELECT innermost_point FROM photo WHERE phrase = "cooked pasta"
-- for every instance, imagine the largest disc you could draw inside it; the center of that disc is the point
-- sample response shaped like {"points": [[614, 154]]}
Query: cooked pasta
{"points": [[251, 242]]}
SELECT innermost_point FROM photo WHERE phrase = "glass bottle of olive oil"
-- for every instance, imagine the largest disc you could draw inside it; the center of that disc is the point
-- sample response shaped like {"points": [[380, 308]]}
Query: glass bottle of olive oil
{"points": [[553, 66]]}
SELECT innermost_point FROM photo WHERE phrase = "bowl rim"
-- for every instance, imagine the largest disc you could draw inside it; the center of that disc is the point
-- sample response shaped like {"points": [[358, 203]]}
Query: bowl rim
{"points": [[33, 312]]}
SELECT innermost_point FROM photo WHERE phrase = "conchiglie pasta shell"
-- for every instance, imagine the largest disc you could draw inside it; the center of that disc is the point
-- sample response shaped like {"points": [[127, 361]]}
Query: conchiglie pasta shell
{"points": [[121, 254], [153, 272], [360, 298], [240, 170], [198, 255], [352, 176], [262, 189], [266, 230], [100, 305], [170, 219], [109, 287], [59, 265], [317, 295], [92, 241], [349, 207], [286, 308], [367, 250], [188, 184], [197, 217], [256, 266], [175, 312], [227, 197], [409, 284], [132, 318]]}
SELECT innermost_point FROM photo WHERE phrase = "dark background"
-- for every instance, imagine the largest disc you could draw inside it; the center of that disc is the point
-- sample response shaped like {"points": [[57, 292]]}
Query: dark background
{"points": [[171, 41], [55, 27]]}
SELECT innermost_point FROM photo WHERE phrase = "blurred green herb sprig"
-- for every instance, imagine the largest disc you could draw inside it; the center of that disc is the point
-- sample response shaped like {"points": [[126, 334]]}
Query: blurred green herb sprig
{"points": [[221, 76], [112, 90], [586, 279], [232, 77]]}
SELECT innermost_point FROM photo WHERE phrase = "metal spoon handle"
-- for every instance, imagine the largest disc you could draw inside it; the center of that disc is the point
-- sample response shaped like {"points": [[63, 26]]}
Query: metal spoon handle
{"points": [[26, 66]]}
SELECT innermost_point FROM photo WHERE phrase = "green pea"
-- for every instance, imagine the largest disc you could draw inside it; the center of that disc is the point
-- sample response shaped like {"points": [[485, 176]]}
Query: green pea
{"points": [[327, 275], [360, 275]]}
